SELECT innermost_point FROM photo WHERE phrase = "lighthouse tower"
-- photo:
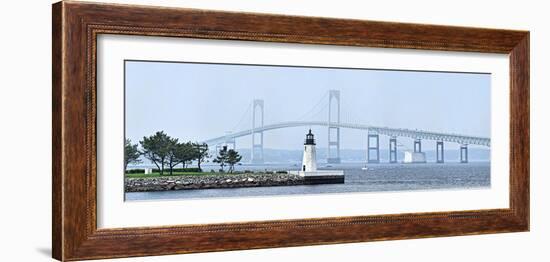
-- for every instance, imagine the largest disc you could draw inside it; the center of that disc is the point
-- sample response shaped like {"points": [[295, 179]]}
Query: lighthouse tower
{"points": [[309, 161], [309, 172]]}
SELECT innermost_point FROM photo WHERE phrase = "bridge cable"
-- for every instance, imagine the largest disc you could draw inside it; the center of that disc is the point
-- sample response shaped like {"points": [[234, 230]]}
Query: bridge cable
{"points": [[243, 117], [319, 102]]}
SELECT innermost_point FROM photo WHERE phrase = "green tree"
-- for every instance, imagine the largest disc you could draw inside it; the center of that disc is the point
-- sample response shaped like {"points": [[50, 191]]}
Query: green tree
{"points": [[178, 153], [157, 148], [233, 158], [186, 153], [221, 158], [201, 153], [131, 153]]}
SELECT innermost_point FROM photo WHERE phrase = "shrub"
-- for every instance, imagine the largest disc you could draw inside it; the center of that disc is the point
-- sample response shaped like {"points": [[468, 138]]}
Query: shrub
{"points": [[190, 169], [135, 171], [282, 172]]}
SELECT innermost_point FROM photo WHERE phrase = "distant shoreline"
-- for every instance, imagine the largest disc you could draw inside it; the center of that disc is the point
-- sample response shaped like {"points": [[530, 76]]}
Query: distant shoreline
{"points": [[296, 165]]}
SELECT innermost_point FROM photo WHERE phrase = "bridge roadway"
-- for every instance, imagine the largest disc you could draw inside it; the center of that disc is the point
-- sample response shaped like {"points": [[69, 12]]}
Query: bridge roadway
{"points": [[396, 132]]}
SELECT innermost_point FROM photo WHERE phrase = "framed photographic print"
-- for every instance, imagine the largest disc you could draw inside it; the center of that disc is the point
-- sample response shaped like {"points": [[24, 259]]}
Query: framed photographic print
{"points": [[182, 130]]}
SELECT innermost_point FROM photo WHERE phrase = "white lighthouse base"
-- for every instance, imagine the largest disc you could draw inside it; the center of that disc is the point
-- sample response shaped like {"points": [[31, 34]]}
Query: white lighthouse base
{"points": [[321, 173], [321, 176]]}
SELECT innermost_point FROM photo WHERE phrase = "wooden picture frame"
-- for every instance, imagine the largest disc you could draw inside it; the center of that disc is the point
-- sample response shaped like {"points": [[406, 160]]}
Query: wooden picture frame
{"points": [[76, 26]]}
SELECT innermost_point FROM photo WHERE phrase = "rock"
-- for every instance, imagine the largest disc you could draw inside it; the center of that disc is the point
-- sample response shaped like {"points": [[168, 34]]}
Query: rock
{"points": [[211, 181]]}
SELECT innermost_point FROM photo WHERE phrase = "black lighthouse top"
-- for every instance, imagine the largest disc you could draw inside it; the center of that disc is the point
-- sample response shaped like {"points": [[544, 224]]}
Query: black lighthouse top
{"points": [[309, 139]]}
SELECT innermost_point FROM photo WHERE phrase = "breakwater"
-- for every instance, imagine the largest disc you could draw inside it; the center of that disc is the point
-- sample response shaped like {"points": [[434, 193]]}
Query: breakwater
{"points": [[217, 181]]}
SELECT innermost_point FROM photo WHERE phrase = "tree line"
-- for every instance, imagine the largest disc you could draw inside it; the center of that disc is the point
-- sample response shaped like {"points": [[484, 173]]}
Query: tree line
{"points": [[167, 152]]}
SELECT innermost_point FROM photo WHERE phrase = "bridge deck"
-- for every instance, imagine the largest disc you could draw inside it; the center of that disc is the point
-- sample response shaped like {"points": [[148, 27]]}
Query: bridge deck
{"points": [[397, 132]]}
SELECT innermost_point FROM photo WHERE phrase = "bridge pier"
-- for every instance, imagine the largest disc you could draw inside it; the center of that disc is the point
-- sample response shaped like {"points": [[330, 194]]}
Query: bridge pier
{"points": [[230, 142], [257, 150], [227, 144], [373, 147], [333, 153], [334, 146], [393, 150], [417, 146], [231, 145], [439, 153], [464, 153]]}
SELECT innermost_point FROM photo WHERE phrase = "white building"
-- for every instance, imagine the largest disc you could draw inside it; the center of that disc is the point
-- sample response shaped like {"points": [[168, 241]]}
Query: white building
{"points": [[414, 157]]}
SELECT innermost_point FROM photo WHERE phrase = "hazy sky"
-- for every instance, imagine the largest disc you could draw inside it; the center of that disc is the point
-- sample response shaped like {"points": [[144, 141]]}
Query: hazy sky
{"points": [[202, 101]]}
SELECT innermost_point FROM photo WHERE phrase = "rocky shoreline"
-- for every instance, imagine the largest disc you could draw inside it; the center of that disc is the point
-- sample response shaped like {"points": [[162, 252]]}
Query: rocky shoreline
{"points": [[211, 181]]}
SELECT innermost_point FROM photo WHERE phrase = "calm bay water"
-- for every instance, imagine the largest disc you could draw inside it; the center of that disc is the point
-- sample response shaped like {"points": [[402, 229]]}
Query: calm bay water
{"points": [[380, 177]]}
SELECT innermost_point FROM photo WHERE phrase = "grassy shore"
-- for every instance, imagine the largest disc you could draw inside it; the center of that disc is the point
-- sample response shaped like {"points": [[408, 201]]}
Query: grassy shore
{"points": [[167, 174], [177, 174]]}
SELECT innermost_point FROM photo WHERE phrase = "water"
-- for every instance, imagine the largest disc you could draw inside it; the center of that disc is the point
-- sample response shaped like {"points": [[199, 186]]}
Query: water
{"points": [[378, 178]]}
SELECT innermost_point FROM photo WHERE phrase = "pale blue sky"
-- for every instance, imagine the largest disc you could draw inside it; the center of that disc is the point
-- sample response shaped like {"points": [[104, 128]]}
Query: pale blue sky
{"points": [[201, 101]]}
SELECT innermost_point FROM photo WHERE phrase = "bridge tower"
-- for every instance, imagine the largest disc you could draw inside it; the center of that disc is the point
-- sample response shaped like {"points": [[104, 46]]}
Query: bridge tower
{"points": [[333, 155], [417, 145], [257, 150], [393, 150], [439, 152], [373, 148], [464, 153]]}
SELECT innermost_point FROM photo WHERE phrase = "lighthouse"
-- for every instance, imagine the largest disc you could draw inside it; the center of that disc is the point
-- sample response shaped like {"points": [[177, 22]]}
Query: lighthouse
{"points": [[309, 160], [308, 171]]}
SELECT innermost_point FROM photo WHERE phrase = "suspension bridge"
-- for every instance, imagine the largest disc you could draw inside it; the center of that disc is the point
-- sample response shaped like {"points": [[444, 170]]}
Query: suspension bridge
{"points": [[333, 124]]}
